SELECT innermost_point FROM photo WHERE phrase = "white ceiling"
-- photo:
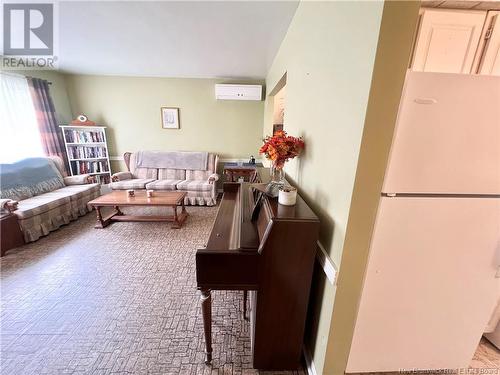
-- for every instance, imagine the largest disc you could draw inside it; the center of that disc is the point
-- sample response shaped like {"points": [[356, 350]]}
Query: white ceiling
{"points": [[172, 39]]}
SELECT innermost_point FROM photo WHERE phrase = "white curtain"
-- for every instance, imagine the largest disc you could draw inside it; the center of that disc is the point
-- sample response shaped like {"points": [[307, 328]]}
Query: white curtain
{"points": [[18, 125]]}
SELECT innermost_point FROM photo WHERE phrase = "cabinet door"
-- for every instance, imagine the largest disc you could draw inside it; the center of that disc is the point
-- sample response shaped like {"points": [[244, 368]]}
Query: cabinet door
{"points": [[489, 54], [447, 40]]}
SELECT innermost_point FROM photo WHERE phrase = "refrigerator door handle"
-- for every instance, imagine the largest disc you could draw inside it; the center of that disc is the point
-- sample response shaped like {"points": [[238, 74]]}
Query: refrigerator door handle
{"points": [[425, 101]]}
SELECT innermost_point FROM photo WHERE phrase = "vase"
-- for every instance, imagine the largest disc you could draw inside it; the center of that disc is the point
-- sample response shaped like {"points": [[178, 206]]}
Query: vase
{"points": [[277, 175]]}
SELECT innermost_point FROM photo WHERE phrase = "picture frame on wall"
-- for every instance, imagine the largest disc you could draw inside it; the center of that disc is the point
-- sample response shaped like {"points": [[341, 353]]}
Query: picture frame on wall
{"points": [[170, 118]]}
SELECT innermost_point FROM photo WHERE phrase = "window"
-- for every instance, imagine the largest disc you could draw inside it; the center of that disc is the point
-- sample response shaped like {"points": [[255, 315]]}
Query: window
{"points": [[18, 124]]}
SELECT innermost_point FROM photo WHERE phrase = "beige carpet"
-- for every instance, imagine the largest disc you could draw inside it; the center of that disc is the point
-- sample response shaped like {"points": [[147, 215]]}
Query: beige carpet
{"points": [[120, 300]]}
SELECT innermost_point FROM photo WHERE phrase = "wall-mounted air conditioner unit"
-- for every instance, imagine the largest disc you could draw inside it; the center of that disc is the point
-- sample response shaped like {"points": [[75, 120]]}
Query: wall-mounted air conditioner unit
{"points": [[238, 92]]}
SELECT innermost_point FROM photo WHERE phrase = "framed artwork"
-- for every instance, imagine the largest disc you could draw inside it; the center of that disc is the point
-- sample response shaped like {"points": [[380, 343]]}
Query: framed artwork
{"points": [[169, 118]]}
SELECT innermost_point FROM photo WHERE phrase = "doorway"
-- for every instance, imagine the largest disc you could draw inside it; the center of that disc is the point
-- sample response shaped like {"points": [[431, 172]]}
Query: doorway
{"points": [[279, 110]]}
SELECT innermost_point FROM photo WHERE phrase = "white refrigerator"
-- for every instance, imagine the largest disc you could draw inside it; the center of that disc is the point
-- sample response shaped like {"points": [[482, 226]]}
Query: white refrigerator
{"points": [[431, 283]]}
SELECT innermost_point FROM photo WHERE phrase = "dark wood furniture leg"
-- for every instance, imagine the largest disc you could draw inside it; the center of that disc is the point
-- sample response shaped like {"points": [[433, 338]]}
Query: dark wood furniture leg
{"points": [[103, 222], [10, 233], [179, 219], [206, 308], [100, 221], [245, 297], [176, 224]]}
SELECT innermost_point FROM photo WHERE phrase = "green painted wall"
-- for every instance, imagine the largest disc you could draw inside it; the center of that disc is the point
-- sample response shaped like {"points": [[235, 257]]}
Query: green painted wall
{"points": [[130, 107], [328, 55]]}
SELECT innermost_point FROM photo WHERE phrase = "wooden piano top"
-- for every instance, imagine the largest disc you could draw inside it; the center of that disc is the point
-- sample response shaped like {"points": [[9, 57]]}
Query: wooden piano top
{"points": [[231, 257], [299, 212], [233, 227]]}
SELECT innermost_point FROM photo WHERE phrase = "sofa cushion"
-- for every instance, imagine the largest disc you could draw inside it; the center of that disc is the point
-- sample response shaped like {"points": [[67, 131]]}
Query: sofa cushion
{"points": [[171, 174], [41, 203], [135, 183], [195, 185], [201, 174], [75, 192], [29, 177], [163, 185], [146, 173], [197, 175]]}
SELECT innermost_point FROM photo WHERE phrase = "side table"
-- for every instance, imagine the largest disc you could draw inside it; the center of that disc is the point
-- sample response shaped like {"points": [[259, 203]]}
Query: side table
{"points": [[10, 233], [248, 171]]}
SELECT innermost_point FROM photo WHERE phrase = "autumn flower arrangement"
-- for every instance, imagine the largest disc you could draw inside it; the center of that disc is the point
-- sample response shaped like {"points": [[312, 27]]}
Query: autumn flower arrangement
{"points": [[280, 148]]}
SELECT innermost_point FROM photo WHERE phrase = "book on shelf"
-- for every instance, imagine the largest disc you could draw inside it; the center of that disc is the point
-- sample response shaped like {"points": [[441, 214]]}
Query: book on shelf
{"points": [[83, 136], [85, 152], [83, 167]]}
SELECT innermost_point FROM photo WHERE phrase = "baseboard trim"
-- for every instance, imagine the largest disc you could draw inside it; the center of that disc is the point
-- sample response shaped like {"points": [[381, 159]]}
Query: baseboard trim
{"points": [[329, 267], [116, 158], [311, 370]]}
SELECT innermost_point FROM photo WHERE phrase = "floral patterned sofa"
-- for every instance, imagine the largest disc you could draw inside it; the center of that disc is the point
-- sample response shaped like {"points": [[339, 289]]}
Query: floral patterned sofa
{"points": [[168, 171], [36, 191]]}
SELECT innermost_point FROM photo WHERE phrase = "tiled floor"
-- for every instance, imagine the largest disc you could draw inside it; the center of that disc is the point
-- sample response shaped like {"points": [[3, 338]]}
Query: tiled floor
{"points": [[120, 300], [487, 357]]}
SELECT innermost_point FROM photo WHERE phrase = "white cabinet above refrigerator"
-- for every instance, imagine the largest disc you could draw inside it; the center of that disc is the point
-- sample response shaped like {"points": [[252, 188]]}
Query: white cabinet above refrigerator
{"points": [[447, 40]]}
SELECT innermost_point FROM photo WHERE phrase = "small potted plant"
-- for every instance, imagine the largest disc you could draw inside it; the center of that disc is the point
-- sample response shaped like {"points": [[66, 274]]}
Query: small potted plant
{"points": [[280, 148]]}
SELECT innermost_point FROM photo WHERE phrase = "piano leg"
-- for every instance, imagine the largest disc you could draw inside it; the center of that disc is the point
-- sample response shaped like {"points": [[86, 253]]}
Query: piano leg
{"points": [[245, 297], [206, 307]]}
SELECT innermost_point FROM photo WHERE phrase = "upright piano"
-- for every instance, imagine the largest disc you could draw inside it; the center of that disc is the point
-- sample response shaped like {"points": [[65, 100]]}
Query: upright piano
{"points": [[266, 250]]}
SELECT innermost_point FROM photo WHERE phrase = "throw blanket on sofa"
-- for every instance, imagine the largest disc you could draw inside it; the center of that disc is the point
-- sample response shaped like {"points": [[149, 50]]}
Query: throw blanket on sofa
{"points": [[29, 177], [172, 159]]}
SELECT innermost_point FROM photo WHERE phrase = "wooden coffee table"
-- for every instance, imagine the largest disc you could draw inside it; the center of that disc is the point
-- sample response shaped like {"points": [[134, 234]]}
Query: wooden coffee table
{"points": [[119, 198]]}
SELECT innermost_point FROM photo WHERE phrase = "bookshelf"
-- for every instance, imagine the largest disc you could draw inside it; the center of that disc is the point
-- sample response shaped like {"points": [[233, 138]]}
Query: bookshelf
{"points": [[87, 150]]}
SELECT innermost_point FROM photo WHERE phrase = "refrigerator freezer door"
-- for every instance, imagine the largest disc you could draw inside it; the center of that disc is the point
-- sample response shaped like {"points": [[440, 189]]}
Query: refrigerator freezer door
{"points": [[430, 286], [447, 137]]}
